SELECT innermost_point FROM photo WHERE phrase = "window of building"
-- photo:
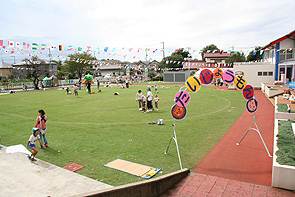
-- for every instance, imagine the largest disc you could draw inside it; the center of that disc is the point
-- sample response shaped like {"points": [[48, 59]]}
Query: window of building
{"points": [[270, 73], [282, 55], [264, 73], [259, 73]]}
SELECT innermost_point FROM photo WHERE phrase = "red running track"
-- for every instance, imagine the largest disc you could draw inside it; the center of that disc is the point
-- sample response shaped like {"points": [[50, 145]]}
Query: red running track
{"points": [[248, 162]]}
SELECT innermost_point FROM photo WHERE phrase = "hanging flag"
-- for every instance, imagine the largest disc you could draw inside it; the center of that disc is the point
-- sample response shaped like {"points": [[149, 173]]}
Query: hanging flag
{"points": [[70, 47], [6, 51], [17, 44], [11, 43], [1, 42], [34, 46], [52, 47], [12, 52], [43, 46], [130, 49], [106, 49], [88, 48], [79, 48], [155, 50], [61, 47], [26, 45], [147, 49], [75, 50], [138, 50]]}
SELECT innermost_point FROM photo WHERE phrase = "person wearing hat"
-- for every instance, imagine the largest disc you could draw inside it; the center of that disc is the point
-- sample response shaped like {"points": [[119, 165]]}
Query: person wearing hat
{"points": [[149, 100], [32, 143], [139, 97]]}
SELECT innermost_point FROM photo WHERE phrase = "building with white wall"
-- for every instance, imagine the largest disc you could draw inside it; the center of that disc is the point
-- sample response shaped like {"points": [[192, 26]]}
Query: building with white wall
{"points": [[280, 52]]}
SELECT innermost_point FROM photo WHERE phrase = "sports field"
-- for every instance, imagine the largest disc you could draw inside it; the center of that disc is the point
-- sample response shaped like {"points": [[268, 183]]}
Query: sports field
{"points": [[95, 129]]}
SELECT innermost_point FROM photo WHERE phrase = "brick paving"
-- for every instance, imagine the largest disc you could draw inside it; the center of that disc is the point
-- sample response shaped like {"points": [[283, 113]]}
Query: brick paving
{"points": [[212, 186]]}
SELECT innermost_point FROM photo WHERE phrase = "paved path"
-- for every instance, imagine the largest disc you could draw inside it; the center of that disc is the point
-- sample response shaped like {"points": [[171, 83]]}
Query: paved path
{"points": [[21, 177], [201, 185]]}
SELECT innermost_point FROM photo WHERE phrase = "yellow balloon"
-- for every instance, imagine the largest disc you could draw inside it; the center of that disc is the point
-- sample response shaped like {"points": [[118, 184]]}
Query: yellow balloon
{"points": [[240, 82], [193, 84]]}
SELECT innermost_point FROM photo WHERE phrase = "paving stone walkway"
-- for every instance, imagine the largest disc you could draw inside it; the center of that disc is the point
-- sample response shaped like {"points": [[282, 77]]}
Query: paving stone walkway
{"points": [[206, 185]]}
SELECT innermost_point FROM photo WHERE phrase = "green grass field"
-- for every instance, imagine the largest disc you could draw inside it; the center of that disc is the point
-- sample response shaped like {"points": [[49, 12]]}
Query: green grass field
{"points": [[93, 130]]}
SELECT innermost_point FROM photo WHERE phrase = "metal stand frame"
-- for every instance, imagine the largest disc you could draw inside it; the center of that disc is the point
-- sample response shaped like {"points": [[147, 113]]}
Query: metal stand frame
{"points": [[257, 130], [173, 136]]}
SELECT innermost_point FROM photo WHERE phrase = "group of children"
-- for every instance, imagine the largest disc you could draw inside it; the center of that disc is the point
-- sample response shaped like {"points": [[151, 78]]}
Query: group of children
{"points": [[38, 132], [144, 102]]}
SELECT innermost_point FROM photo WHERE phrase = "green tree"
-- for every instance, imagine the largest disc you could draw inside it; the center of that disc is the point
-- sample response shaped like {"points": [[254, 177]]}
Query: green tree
{"points": [[79, 63], [235, 57], [254, 55], [38, 68], [211, 47], [151, 74], [174, 60]]}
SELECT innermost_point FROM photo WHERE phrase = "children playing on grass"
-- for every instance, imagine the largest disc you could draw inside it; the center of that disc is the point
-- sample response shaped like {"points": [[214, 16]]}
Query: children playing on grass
{"points": [[157, 102], [76, 90], [32, 143]]}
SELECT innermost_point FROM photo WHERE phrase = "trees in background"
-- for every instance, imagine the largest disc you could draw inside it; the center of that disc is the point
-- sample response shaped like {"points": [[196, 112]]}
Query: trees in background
{"points": [[79, 63], [174, 60]]}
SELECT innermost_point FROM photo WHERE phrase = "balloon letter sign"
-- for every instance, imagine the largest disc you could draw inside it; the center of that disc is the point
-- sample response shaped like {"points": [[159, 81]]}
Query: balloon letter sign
{"points": [[182, 98], [178, 112], [218, 73], [252, 105], [240, 82], [193, 84], [248, 92], [206, 76], [228, 76]]}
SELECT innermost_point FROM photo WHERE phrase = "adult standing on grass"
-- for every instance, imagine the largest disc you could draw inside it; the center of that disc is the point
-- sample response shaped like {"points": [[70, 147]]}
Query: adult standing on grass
{"points": [[41, 124], [139, 98], [149, 100]]}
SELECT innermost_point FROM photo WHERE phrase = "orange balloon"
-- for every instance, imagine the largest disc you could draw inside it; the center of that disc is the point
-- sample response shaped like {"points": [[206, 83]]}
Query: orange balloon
{"points": [[218, 73]]}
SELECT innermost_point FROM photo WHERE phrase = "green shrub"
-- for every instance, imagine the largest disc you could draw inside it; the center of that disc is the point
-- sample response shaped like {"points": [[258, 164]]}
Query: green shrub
{"points": [[286, 145]]}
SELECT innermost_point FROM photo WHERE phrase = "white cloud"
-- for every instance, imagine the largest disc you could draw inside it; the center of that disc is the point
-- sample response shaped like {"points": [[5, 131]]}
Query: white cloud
{"points": [[147, 23]]}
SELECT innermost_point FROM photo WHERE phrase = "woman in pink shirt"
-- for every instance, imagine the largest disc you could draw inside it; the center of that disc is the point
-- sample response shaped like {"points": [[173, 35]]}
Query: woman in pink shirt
{"points": [[41, 124]]}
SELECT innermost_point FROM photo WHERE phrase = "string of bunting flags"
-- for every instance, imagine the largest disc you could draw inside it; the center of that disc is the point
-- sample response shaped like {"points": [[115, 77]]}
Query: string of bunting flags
{"points": [[194, 83], [35, 49]]}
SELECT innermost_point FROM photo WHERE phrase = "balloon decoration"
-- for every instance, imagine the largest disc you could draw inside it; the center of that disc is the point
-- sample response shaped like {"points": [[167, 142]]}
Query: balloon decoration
{"points": [[193, 84], [178, 112]]}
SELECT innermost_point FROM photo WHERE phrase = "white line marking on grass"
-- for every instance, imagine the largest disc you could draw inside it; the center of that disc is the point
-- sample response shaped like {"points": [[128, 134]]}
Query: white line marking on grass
{"points": [[115, 123]]}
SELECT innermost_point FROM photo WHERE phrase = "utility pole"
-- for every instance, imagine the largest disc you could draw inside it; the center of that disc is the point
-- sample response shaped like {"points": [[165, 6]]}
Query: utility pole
{"points": [[163, 50], [14, 58]]}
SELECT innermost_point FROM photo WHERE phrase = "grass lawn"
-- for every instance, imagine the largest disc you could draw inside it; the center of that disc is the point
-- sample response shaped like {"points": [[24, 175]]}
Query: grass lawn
{"points": [[93, 130]]}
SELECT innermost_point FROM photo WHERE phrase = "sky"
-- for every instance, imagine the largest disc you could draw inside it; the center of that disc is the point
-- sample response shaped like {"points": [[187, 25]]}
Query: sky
{"points": [[143, 24]]}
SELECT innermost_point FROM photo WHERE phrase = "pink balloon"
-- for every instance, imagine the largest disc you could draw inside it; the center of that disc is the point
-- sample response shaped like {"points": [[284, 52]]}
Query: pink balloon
{"points": [[228, 76], [182, 98]]}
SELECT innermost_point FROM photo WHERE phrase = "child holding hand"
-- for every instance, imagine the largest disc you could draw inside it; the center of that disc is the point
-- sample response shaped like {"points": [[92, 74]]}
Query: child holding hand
{"points": [[32, 143]]}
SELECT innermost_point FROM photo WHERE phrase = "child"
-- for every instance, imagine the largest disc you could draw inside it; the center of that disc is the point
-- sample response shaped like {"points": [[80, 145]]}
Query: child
{"points": [[40, 124], [76, 90], [156, 102], [31, 143], [68, 90], [143, 106]]}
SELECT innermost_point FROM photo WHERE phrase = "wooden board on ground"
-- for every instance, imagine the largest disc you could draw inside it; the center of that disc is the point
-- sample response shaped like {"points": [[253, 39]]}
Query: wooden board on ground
{"points": [[136, 169]]}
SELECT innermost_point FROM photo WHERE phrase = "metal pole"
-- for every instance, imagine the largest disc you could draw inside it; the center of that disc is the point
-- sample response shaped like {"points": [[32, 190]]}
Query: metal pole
{"points": [[175, 139], [257, 130]]}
